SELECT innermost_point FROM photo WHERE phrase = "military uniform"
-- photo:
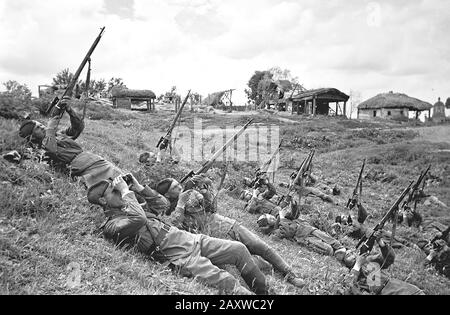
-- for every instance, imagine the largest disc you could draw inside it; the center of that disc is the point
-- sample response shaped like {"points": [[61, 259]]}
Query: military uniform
{"points": [[374, 278], [194, 254], [195, 212], [63, 150], [262, 206], [305, 234]]}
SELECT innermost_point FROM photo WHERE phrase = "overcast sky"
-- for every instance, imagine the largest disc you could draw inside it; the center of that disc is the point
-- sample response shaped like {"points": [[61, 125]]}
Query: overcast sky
{"points": [[208, 45]]}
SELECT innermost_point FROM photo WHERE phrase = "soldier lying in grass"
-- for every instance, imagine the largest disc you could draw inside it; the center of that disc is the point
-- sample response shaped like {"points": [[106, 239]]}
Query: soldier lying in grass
{"points": [[355, 227], [61, 148], [195, 211], [370, 274], [301, 231], [193, 254]]}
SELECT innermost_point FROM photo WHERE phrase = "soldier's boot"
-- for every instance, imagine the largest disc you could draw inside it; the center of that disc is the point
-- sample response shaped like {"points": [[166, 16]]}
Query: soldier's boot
{"points": [[256, 280]]}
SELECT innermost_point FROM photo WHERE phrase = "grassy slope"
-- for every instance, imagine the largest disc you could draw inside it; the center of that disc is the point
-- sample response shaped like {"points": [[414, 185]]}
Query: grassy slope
{"points": [[46, 223]]}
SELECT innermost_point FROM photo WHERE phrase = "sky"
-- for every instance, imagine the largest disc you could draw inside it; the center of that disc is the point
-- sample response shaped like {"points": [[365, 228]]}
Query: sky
{"points": [[369, 47]]}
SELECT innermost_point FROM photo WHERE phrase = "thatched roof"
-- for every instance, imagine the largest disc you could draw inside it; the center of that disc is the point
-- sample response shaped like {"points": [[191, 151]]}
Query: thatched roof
{"points": [[127, 93], [330, 94], [394, 100]]}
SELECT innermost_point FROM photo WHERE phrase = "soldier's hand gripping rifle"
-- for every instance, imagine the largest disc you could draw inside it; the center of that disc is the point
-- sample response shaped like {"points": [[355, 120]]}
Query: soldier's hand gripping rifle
{"points": [[355, 196], [69, 90], [368, 242], [163, 143], [216, 155], [442, 236]]}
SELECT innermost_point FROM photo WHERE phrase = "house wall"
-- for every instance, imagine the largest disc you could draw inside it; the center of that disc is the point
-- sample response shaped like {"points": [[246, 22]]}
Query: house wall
{"points": [[386, 113], [391, 113], [368, 113], [122, 103]]}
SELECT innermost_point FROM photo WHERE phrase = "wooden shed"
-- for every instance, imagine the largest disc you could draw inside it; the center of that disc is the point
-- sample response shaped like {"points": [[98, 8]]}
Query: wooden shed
{"points": [[319, 101], [126, 98], [392, 105]]}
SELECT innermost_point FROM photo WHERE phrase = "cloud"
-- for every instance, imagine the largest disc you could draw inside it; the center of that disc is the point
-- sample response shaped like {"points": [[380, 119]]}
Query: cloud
{"points": [[209, 45], [121, 8]]}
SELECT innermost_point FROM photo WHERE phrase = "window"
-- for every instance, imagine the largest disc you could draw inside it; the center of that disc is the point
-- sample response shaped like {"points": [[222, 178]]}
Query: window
{"points": [[389, 113], [401, 112], [374, 113]]}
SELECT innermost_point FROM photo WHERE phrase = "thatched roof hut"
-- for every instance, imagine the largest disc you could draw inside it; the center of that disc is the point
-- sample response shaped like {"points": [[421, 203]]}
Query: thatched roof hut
{"points": [[395, 100], [126, 98], [128, 93]]}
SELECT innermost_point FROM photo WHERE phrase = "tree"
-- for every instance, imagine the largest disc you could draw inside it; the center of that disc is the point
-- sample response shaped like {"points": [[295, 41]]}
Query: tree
{"points": [[63, 78], [253, 92], [115, 82], [99, 88], [447, 103], [17, 90]]}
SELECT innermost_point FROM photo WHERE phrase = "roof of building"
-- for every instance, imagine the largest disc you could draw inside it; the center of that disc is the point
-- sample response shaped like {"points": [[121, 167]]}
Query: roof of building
{"points": [[330, 94], [128, 93], [394, 100]]}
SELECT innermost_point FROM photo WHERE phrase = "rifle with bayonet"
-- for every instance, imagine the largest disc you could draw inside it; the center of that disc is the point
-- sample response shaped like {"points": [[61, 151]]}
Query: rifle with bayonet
{"points": [[368, 242], [163, 143], [216, 155], [355, 196], [69, 90]]}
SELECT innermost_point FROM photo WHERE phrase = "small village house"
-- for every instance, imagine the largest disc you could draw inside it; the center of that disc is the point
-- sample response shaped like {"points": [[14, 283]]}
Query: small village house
{"points": [[319, 102], [392, 106], [127, 98]]}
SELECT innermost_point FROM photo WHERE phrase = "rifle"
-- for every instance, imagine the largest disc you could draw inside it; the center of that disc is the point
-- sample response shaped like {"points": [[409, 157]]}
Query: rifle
{"points": [[88, 83], [69, 90], [257, 181], [416, 187], [216, 155], [353, 200], [369, 242], [264, 168], [301, 171], [163, 143]]}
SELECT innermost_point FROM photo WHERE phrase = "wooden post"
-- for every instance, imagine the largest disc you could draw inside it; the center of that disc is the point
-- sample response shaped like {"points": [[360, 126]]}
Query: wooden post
{"points": [[337, 106], [314, 106], [345, 110]]}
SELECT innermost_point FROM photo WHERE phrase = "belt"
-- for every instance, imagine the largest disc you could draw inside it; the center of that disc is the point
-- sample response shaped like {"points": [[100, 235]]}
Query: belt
{"points": [[155, 247]]}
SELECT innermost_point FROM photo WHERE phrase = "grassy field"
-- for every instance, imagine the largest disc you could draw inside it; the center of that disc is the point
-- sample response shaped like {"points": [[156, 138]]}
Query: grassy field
{"points": [[49, 238]]}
